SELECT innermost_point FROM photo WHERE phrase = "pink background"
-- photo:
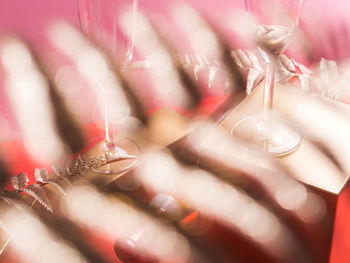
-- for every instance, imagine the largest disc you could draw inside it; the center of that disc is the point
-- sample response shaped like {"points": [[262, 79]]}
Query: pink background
{"points": [[29, 18]]}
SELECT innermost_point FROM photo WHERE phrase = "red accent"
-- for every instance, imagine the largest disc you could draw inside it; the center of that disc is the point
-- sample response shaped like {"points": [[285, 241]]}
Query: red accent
{"points": [[341, 234], [188, 219]]}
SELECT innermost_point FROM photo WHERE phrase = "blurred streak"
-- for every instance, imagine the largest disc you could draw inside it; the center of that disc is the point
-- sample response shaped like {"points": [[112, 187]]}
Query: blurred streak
{"points": [[130, 51], [4, 245], [209, 141], [322, 162], [327, 127], [325, 175], [301, 164], [5, 129], [167, 204], [73, 88], [29, 95], [128, 252], [160, 27], [4, 241], [4, 238], [94, 68], [237, 26], [66, 123], [208, 195], [166, 82], [204, 39], [115, 219], [201, 40], [211, 148], [85, 16], [33, 242], [4, 175]]}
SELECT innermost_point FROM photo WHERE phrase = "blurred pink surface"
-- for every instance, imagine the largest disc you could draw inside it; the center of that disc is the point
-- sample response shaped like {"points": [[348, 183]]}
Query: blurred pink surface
{"points": [[30, 18]]}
